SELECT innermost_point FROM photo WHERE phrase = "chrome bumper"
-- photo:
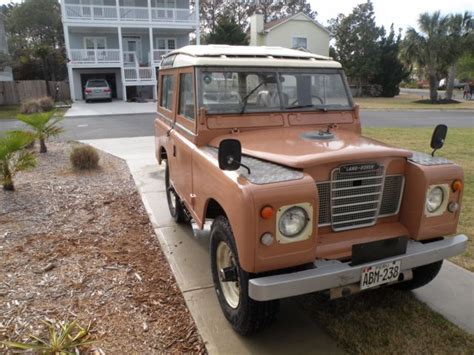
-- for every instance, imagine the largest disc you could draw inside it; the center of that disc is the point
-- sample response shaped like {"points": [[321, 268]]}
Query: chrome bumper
{"points": [[329, 274]]}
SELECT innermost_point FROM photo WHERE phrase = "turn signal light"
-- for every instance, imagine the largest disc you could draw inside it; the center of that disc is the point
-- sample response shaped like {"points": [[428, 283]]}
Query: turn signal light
{"points": [[457, 185], [267, 212]]}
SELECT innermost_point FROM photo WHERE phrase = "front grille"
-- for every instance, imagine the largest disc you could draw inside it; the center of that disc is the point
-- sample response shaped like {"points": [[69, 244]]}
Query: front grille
{"points": [[356, 199]]}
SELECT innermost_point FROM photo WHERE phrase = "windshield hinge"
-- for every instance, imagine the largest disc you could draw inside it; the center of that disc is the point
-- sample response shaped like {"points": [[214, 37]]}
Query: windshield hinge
{"points": [[235, 131]]}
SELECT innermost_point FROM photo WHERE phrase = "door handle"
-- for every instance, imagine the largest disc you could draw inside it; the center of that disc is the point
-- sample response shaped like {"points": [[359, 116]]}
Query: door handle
{"points": [[174, 150]]}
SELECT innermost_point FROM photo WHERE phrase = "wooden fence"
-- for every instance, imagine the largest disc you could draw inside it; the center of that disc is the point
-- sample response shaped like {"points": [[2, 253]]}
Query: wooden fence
{"points": [[15, 92]]}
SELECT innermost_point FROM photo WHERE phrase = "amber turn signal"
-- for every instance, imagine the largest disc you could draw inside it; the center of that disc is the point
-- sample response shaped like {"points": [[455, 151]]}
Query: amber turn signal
{"points": [[267, 212], [457, 185]]}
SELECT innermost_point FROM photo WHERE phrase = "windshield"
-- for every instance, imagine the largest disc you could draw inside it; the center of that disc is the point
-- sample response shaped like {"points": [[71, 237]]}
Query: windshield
{"points": [[96, 84], [234, 90]]}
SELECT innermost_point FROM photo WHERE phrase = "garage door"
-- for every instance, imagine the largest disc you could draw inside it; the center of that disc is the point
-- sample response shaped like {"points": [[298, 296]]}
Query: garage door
{"points": [[109, 77]]}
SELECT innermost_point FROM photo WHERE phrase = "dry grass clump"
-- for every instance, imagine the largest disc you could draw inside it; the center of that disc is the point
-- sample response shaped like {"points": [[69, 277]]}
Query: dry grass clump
{"points": [[84, 158], [43, 104]]}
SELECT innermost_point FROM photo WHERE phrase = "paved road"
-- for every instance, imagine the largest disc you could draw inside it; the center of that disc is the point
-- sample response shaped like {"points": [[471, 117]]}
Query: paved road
{"points": [[142, 125]]}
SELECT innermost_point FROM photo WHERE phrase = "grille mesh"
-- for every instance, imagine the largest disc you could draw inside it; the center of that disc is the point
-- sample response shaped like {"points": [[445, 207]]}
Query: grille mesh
{"points": [[391, 195], [353, 200]]}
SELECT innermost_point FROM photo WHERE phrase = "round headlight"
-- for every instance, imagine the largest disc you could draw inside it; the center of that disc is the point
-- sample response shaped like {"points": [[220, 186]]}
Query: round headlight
{"points": [[435, 199], [293, 221]]}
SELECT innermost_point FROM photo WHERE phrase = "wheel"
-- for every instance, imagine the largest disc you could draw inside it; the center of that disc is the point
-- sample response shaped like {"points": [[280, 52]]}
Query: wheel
{"points": [[87, 101], [246, 315], [174, 203], [421, 276]]}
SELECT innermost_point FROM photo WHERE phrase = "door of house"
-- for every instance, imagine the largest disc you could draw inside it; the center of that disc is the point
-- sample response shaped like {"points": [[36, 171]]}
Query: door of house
{"points": [[95, 47], [133, 48]]}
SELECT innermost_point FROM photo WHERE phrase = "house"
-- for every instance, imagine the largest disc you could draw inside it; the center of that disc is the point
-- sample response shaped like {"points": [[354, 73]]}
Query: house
{"points": [[298, 31], [123, 41], [5, 72]]}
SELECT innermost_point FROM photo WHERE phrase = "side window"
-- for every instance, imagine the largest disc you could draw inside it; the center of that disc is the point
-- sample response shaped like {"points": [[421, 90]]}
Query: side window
{"points": [[186, 98], [167, 87]]}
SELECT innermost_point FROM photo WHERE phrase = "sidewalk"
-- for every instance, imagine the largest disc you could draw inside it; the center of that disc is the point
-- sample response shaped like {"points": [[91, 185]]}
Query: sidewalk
{"points": [[450, 294], [189, 259]]}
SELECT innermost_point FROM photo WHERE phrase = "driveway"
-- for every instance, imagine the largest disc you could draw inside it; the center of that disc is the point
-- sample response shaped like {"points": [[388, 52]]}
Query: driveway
{"points": [[116, 107], [450, 294]]}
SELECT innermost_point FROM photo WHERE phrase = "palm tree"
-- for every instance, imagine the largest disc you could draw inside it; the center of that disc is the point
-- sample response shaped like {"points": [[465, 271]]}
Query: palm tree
{"points": [[461, 41], [14, 157], [428, 48], [44, 125]]}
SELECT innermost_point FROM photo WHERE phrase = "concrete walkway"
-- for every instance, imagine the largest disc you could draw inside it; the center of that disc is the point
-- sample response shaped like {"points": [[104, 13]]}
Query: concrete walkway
{"points": [[451, 293], [116, 107]]}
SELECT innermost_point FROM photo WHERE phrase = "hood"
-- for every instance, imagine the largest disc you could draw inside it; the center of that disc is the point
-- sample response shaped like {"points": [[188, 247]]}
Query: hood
{"points": [[288, 146]]}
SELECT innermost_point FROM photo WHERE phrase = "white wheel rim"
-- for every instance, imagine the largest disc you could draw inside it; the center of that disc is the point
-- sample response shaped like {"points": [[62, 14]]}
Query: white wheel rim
{"points": [[230, 289]]}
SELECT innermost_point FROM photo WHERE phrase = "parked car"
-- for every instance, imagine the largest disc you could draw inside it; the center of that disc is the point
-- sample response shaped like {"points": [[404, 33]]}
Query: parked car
{"points": [[457, 84], [97, 89], [266, 142]]}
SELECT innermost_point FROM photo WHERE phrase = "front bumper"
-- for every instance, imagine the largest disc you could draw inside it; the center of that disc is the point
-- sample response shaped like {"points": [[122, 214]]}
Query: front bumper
{"points": [[329, 274]]}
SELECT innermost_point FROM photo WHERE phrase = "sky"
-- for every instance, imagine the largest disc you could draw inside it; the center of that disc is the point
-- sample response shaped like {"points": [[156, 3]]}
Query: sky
{"points": [[402, 13]]}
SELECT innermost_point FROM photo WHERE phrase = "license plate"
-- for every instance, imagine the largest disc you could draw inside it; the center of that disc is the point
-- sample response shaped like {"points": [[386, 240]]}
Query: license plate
{"points": [[98, 91], [376, 275]]}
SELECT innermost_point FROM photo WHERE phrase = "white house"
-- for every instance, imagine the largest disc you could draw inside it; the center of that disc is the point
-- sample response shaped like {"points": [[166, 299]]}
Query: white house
{"points": [[298, 32], [123, 41], [6, 72]]}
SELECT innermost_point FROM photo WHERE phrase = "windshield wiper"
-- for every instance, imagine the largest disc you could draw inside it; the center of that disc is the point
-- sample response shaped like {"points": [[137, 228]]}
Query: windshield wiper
{"points": [[324, 109], [245, 99]]}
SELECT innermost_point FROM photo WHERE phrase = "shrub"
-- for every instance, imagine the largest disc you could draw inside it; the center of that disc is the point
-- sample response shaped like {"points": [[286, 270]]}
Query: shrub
{"points": [[84, 158], [46, 103], [29, 107]]}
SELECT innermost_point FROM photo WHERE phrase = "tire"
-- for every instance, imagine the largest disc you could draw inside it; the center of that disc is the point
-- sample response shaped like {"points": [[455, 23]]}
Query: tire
{"points": [[421, 276], [175, 205], [246, 315]]}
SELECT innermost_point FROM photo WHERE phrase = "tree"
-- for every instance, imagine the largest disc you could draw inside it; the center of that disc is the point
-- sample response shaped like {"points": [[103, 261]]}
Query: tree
{"points": [[36, 39], [14, 157], [356, 43], [465, 67], [428, 47], [44, 125], [390, 71], [461, 40], [227, 31]]}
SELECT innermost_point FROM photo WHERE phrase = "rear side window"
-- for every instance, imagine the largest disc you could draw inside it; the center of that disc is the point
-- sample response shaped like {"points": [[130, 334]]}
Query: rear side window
{"points": [[97, 84], [167, 87], [186, 97]]}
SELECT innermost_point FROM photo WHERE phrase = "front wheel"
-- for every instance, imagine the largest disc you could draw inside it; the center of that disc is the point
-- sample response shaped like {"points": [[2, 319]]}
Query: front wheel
{"points": [[246, 315], [422, 275]]}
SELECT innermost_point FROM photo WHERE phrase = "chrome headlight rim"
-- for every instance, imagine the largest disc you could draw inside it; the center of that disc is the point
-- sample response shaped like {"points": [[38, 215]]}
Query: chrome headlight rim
{"points": [[302, 219], [436, 200]]}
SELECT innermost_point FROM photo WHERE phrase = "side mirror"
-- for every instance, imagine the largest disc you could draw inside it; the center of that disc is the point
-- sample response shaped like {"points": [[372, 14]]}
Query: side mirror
{"points": [[438, 137], [230, 154]]}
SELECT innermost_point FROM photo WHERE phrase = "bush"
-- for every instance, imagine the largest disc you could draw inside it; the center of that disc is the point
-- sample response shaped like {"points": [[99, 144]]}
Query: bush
{"points": [[29, 107], [46, 103], [84, 158]]}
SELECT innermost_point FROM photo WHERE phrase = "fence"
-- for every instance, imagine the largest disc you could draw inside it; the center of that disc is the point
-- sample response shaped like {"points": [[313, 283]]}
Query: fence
{"points": [[15, 92]]}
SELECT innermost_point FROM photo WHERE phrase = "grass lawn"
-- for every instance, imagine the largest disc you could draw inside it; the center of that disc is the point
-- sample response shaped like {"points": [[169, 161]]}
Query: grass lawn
{"points": [[407, 102], [9, 111], [459, 147]]}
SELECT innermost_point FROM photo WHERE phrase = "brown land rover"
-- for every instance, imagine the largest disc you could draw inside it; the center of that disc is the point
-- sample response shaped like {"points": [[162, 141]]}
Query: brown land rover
{"points": [[266, 142]]}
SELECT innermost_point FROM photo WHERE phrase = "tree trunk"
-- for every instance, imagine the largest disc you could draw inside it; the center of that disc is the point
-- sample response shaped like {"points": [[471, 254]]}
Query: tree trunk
{"points": [[8, 181], [450, 82], [433, 88], [43, 148]]}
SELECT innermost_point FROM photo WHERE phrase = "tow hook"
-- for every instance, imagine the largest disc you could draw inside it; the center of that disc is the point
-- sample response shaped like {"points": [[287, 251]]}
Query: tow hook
{"points": [[228, 274]]}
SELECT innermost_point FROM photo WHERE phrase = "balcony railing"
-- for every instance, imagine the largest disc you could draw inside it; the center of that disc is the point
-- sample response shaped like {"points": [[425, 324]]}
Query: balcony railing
{"points": [[95, 56], [128, 13], [158, 54], [138, 74]]}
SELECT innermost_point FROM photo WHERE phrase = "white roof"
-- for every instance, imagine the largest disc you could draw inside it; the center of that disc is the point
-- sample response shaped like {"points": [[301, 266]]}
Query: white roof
{"points": [[225, 55]]}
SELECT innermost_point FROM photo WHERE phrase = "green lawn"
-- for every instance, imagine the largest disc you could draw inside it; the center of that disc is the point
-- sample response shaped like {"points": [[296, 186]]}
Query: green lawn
{"points": [[459, 147], [408, 102], [9, 112]]}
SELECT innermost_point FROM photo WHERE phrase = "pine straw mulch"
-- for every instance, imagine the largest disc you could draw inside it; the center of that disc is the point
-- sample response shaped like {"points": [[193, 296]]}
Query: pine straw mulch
{"points": [[77, 245]]}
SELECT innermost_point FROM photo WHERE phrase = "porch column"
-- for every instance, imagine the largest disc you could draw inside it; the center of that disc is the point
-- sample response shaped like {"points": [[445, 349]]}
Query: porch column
{"points": [[72, 90], [122, 71], [67, 43], [149, 11], [198, 24], [152, 54]]}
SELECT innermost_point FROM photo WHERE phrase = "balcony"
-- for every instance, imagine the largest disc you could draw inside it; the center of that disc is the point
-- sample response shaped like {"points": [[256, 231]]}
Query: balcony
{"points": [[138, 74], [128, 14], [95, 56], [158, 54]]}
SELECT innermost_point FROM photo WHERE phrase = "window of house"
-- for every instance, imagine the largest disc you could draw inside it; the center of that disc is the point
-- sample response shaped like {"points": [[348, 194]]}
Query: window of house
{"points": [[186, 97], [299, 42], [166, 44], [167, 87]]}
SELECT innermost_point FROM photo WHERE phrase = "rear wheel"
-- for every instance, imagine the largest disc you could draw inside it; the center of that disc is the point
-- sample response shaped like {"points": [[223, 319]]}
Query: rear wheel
{"points": [[246, 315], [174, 203], [421, 276]]}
